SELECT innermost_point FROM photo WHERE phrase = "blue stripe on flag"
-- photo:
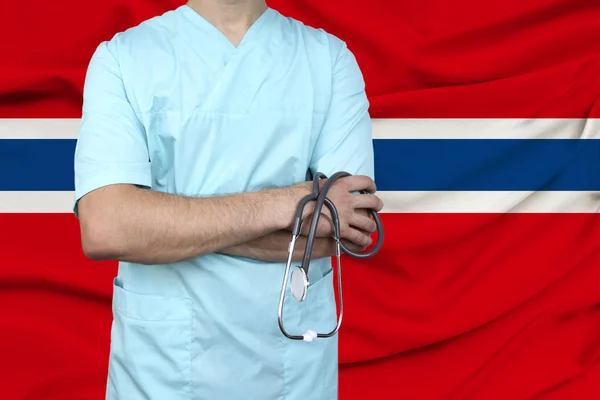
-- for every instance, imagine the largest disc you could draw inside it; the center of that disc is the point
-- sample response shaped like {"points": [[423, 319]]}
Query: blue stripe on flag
{"points": [[487, 164], [400, 164], [37, 164]]}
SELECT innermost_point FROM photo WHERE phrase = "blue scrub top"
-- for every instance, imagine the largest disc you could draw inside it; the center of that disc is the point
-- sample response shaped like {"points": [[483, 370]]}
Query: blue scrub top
{"points": [[172, 105]]}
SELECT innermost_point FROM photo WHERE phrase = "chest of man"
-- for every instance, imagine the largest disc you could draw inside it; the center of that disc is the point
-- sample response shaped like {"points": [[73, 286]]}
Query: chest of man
{"points": [[220, 123]]}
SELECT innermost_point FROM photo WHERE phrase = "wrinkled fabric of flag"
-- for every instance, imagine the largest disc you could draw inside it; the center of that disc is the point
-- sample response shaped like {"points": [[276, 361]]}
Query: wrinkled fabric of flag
{"points": [[486, 132]]}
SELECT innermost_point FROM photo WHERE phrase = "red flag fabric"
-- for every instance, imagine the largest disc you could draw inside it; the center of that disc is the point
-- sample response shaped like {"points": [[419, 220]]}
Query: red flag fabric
{"points": [[465, 305]]}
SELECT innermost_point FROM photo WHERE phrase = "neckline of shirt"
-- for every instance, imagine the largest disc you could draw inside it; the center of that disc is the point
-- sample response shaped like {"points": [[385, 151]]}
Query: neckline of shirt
{"points": [[252, 32]]}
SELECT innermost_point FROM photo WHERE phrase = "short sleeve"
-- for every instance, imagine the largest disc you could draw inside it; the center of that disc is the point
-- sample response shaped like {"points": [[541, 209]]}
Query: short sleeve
{"points": [[111, 146], [345, 142]]}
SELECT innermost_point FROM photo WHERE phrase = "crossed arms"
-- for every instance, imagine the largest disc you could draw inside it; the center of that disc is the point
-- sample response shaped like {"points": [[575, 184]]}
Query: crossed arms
{"points": [[119, 220], [127, 223]]}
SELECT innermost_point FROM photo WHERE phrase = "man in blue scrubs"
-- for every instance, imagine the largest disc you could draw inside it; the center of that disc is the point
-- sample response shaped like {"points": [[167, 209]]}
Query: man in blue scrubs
{"points": [[199, 130]]}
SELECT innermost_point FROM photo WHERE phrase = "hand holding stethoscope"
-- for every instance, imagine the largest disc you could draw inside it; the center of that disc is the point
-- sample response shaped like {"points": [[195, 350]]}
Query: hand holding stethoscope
{"points": [[355, 226], [341, 205]]}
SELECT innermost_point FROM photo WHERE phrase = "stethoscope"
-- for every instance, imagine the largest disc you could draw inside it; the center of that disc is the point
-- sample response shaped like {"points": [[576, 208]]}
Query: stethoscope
{"points": [[299, 276]]}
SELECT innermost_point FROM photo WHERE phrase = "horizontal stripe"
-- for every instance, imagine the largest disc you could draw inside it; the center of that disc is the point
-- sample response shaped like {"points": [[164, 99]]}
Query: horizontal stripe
{"points": [[36, 202], [400, 165], [491, 202], [37, 164], [39, 128], [394, 202], [383, 128], [487, 164], [485, 128]]}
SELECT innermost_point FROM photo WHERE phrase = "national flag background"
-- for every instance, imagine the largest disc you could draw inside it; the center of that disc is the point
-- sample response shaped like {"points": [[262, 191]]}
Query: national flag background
{"points": [[487, 155]]}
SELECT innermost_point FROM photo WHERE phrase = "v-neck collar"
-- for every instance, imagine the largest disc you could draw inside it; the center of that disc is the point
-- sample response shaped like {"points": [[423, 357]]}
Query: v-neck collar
{"points": [[211, 29], [225, 62]]}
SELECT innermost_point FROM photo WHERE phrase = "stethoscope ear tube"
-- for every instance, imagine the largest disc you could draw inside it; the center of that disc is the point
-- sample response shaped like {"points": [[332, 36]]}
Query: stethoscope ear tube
{"points": [[299, 276]]}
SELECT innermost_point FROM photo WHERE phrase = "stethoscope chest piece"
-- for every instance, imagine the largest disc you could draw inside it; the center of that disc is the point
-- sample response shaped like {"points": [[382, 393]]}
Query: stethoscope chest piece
{"points": [[299, 284]]}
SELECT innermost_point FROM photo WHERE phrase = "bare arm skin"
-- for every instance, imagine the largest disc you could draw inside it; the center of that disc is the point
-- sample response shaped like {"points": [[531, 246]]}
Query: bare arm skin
{"points": [[274, 247], [126, 223]]}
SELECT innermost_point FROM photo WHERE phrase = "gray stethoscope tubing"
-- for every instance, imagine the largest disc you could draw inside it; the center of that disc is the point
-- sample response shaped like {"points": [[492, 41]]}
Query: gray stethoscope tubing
{"points": [[299, 277]]}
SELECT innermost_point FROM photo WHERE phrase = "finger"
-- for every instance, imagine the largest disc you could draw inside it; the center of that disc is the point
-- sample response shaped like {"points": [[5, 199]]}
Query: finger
{"points": [[363, 222], [352, 246], [324, 227], [359, 182], [369, 242], [356, 236], [369, 201]]}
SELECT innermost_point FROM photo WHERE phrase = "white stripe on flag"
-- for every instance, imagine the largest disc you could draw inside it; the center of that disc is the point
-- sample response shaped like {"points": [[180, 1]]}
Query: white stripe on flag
{"points": [[36, 202], [395, 202], [486, 128], [392, 128], [491, 202], [39, 128]]}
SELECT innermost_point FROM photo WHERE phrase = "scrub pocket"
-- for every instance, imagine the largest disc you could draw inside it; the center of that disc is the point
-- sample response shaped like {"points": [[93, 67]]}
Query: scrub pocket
{"points": [[317, 311], [311, 369], [150, 354]]}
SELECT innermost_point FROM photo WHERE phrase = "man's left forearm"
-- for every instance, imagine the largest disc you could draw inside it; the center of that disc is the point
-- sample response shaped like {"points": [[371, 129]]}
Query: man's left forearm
{"points": [[274, 247]]}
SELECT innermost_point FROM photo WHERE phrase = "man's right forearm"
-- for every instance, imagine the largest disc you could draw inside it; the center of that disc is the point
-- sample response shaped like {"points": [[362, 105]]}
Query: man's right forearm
{"points": [[126, 223]]}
